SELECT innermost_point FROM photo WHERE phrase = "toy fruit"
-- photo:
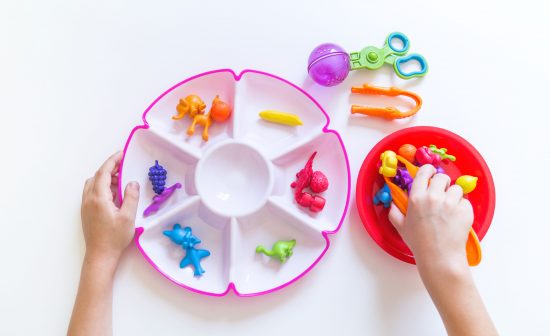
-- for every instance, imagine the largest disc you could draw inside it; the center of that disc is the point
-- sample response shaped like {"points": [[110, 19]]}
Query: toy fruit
{"points": [[408, 152], [319, 182], [403, 179], [157, 176], [220, 111], [389, 164], [383, 196], [467, 182], [195, 107], [187, 240], [281, 118], [282, 250], [191, 105], [315, 203]]}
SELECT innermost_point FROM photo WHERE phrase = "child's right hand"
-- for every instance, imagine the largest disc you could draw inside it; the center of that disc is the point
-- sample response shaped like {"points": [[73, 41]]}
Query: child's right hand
{"points": [[438, 220]]}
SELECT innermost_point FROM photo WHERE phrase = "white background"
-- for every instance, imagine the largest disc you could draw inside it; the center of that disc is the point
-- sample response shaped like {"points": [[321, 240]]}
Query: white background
{"points": [[76, 77]]}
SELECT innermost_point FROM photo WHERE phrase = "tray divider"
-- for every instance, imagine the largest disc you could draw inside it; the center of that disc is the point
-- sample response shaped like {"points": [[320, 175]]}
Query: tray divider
{"points": [[305, 222], [190, 151]]}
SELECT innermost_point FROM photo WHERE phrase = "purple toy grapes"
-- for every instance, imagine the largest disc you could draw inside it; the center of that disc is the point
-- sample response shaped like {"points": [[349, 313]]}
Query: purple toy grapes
{"points": [[157, 176], [403, 179], [328, 64]]}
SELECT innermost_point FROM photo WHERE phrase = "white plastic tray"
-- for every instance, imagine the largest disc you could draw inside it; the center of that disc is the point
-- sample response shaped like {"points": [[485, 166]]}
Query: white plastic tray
{"points": [[236, 187]]}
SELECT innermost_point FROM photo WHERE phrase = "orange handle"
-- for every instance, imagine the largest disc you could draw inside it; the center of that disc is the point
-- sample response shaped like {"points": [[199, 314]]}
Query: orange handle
{"points": [[401, 200], [385, 112]]}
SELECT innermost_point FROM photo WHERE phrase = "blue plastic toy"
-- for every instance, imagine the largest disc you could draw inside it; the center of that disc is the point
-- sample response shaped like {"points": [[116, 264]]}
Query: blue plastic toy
{"points": [[187, 240], [383, 196]]}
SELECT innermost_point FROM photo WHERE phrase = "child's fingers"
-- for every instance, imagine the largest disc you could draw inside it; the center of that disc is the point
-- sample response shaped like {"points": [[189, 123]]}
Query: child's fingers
{"points": [[396, 217], [423, 175], [103, 176], [454, 194], [130, 202], [439, 183]]}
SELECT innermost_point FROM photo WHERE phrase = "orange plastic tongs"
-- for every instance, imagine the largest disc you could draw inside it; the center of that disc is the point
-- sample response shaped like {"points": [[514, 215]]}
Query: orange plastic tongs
{"points": [[389, 112]]}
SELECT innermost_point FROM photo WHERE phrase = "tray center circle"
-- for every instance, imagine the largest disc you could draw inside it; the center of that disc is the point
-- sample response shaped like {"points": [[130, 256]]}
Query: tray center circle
{"points": [[234, 179]]}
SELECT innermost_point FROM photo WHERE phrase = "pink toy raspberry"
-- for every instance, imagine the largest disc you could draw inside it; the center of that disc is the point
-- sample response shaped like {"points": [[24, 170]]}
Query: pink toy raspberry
{"points": [[319, 182]]}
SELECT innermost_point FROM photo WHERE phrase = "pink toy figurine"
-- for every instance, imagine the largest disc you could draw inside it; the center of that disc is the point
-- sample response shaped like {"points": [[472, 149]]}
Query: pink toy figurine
{"points": [[425, 156], [303, 180]]}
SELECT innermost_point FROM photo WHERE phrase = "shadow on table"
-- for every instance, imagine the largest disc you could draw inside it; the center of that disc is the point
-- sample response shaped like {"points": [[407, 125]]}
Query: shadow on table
{"points": [[208, 308], [397, 283]]}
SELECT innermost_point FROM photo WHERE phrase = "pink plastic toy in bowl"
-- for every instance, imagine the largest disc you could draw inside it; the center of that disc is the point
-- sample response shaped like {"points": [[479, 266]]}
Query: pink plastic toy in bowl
{"points": [[236, 187]]}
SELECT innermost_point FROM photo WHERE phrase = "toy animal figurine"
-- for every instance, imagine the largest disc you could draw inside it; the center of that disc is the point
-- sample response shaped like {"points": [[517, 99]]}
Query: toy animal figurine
{"points": [[191, 105], [383, 196], [389, 164], [442, 152], [157, 176], [281, 250], [425, 156], [187, 240], [304, 177], [195, 107]]}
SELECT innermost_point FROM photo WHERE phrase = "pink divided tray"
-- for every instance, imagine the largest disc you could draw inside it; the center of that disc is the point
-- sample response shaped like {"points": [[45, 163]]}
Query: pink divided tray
{"points": [[236, 187]]}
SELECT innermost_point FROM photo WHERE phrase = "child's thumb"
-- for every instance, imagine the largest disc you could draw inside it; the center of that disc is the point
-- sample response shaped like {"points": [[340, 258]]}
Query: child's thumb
{"points": [[130, 201], [396, 217]]}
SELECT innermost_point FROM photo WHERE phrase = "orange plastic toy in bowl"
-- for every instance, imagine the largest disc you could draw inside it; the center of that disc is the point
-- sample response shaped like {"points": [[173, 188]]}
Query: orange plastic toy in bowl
{"points": [[469, 161]]}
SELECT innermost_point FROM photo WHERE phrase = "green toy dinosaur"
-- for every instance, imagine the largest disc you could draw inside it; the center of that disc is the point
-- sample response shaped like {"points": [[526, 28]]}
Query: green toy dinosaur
{"points": [[442, 152], [281, 250]]}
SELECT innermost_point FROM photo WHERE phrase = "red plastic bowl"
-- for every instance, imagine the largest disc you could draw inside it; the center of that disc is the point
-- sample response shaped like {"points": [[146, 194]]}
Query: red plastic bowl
{"points": [[468, 162]]}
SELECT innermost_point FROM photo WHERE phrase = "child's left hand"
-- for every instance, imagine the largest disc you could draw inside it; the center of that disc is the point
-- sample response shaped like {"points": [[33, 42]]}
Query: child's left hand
{"points": [[108, 229]]}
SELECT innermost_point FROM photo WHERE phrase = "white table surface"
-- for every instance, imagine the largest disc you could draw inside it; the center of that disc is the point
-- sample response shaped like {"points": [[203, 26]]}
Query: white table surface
{"points": [[76, 77]]}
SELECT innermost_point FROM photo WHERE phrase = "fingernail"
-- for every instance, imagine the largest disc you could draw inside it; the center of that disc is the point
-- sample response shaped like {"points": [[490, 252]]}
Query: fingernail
{"points": [[134, 185]]}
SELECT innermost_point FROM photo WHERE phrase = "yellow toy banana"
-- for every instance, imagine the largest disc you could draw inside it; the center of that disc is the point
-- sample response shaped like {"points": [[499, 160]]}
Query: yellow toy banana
{"points": [[281, 117]]}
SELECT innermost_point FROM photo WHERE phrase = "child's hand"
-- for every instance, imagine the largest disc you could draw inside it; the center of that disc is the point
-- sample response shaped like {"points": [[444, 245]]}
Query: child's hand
{"points": [[438, 220], [108, 230]]}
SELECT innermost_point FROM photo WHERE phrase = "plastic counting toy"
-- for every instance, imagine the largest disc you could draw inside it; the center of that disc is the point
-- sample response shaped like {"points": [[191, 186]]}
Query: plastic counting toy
{"points": [[389, 112], [303, 180], [467, 182], [195, 108], [408, 152], [281, 118], [281, 250], [329, 64], [425, 156], [388, 167], [442, 152], [383, 196], [157, 176], [187, 240]]}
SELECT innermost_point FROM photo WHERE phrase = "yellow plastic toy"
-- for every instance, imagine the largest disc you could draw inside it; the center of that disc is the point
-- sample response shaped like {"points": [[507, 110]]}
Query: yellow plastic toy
{"points": [[467, 182], [281, 117], [389, 112], [389, 164]]}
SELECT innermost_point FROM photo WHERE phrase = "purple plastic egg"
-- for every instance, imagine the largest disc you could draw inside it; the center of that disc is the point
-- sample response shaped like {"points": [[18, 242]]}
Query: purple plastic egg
{"points": [[328, 64]]}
